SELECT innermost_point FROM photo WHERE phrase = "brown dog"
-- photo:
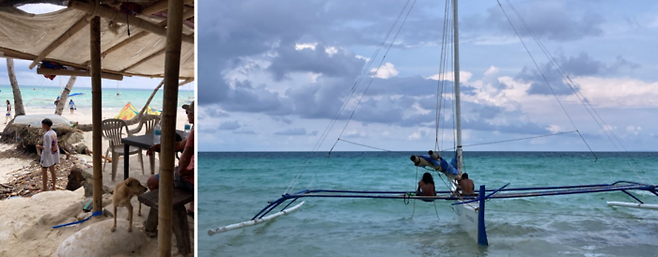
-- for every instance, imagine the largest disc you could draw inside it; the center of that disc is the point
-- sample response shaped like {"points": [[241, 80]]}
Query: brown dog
{"points": [[123, 192]]}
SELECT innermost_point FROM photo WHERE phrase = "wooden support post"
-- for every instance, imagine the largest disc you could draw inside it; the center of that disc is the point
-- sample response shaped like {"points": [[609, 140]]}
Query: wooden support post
{"points": [[169, 110], [119, 17], [96, 108], [68, 34]]}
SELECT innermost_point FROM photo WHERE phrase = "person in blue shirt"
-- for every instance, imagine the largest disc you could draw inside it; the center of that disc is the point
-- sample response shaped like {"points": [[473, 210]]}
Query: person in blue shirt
{"points": [[72, 106]]}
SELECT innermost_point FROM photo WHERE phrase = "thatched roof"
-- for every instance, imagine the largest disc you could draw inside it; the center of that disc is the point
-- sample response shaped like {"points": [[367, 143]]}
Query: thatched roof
{"points": [[63, 37]]}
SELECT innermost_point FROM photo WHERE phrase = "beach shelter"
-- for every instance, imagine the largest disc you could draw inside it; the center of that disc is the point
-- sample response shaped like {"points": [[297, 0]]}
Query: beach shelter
{"points": [[148, 38]]}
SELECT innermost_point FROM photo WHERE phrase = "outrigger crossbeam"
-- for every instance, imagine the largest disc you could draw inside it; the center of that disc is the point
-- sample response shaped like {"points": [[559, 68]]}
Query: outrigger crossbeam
{"points": [[500, 193]]}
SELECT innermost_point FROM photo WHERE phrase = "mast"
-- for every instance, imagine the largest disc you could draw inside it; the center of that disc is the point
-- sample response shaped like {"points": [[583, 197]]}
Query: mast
{"points": [[457, 97]]}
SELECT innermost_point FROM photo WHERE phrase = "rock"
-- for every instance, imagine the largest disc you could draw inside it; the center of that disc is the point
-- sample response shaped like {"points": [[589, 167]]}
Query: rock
{"points": [[76, 179], [97, 240]]}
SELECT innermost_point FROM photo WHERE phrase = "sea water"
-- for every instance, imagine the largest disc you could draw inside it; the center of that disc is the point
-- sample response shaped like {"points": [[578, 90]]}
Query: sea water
{"points": [[45, 96], [234, 186]]}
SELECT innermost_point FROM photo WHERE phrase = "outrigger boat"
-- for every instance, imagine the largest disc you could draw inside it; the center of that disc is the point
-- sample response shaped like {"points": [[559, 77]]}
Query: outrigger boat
{"points": [[469, 209]]}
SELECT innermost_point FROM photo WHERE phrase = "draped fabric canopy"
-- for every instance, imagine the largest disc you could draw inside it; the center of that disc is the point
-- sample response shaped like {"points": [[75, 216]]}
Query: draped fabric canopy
{"points": [[133, 36]]}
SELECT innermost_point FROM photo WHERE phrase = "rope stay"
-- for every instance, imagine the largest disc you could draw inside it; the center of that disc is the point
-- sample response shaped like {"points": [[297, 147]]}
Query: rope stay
{"points": [[606, 129]]}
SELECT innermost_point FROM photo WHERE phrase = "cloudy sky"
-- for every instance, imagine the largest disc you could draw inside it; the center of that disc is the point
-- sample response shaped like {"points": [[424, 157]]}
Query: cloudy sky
{"points": [[27, 77], [274, 74]]}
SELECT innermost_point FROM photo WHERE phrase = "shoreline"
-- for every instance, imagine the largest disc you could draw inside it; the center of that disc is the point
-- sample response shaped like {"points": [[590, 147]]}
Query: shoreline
{"points": [[82, 116]]}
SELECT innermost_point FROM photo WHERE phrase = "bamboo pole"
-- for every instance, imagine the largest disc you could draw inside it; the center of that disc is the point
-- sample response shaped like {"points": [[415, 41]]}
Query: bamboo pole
{"points": [[119, 17], [96, 108], [81, 73], [8, 53], [159, 6], [60, 40], [170, 105]]}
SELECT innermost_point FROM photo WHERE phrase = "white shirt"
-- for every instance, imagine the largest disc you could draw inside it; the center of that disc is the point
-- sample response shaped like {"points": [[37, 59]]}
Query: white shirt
{"points": [[50, 153]]}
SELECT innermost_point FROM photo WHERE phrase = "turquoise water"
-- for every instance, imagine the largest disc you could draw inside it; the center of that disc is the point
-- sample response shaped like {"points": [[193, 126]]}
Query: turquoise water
{"points": [[233, 187], [44, 96]]}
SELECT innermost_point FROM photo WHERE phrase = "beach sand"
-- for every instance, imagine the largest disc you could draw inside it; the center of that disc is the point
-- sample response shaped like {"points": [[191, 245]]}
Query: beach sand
{"points": [[25, 223]]}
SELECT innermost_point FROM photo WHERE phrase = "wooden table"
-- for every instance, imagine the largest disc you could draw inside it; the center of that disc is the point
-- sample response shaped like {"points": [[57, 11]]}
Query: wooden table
{"points": [[144, 142], [179, 218]]}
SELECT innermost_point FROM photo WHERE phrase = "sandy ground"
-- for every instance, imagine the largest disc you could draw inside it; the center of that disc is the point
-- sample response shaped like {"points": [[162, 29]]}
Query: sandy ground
{"points": [[24, 220]]}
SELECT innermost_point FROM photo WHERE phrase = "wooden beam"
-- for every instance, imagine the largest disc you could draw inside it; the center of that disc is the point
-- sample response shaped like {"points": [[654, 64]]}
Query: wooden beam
{"points": [[96, 110], [159, 7], [119, 17], [188, 14], [68, 34], [169, 110], [79, 73], [124, 43], [4, 52], [145, 59]]}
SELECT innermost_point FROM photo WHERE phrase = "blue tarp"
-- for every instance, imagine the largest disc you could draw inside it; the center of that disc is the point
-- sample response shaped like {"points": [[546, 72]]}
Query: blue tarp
{"points": [[443, 165]]}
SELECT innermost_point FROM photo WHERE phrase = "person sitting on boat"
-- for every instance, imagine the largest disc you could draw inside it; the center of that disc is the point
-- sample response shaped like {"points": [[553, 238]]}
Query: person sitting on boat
{"points": [[435, 161], [466, 185], [426, 186]]}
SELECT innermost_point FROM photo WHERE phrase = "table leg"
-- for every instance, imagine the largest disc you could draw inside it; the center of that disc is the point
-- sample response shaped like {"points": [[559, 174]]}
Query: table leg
{"points": [[181, 230], [151, 223], [126, 164], [152, 161]]}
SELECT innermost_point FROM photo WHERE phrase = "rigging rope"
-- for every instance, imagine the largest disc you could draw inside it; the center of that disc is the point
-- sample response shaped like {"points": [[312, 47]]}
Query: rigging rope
{"points": [[372, 77], [364, 72], [354, 143], [579, 95], [544, 76], [356, 84]]}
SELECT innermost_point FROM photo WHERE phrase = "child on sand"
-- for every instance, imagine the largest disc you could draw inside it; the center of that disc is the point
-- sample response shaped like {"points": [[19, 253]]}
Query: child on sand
{"points": [[49, 153]]}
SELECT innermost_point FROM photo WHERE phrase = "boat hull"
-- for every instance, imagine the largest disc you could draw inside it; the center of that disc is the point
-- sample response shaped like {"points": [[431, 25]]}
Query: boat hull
{"points": [[468, 218]]}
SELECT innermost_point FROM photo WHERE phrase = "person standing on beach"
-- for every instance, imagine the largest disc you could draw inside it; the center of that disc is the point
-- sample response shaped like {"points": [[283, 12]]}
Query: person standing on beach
{"points": [[72, 106], [57, 101], [8, 116], [49, 153]]}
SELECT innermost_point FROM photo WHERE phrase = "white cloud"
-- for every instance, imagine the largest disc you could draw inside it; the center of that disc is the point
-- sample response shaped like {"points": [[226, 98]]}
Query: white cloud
{"points": [[464, 76], [301, 46], [362, 58], [385, 71], [618, 92], [330, 50]]}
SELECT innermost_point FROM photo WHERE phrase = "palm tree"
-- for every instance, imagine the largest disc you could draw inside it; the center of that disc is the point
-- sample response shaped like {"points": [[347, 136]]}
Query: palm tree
{"points": [[65, 95], [18, 98]]}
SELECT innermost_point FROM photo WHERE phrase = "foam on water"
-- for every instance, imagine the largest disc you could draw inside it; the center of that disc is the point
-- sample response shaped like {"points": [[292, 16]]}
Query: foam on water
{"points": [[235, 186]]}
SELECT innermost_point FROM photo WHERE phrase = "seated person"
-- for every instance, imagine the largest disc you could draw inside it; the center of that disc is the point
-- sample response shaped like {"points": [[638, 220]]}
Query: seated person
{"points": [[466, 185], [184, 172], [426, 186]]}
